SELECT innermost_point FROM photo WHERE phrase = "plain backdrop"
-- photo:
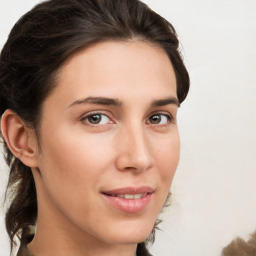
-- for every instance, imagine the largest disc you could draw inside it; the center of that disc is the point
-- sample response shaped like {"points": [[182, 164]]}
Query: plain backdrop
{"points": [[214, 187]]}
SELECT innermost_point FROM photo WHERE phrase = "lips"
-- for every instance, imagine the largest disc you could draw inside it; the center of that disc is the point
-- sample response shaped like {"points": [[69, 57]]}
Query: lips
{"points": [[129, 199], [129, 196]]}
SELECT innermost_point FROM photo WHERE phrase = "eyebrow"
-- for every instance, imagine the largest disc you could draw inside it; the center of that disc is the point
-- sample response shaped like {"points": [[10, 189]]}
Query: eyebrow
{"points": [[167, 101], [118, 103], [97, 101]]}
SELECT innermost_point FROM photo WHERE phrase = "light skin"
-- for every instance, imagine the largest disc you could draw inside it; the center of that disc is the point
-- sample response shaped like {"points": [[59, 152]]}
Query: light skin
{"points": [[110, 123]]}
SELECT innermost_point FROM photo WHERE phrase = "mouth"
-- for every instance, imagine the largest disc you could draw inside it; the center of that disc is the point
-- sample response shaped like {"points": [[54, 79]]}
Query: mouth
{"points": [[129, 200], [128, 196]]}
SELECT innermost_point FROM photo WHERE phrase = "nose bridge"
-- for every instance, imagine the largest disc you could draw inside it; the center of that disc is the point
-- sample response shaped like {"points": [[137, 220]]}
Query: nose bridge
{"points": [[134, 148]]}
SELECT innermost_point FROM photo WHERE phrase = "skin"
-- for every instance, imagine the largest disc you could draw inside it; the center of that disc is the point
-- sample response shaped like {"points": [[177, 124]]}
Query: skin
{"points": [[127, 148]]}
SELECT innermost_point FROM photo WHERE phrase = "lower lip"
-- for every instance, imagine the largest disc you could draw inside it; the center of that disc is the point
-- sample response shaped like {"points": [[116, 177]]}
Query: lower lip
{"points": [[129, 205]]}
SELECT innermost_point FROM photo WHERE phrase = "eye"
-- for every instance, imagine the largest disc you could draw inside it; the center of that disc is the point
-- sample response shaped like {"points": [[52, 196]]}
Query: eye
{"points": [[159, 119], [95, 119]]}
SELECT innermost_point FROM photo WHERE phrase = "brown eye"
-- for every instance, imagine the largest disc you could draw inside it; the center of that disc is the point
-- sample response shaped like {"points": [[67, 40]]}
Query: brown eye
{"points": [[159, 119], [156, 119], [97, 119]]}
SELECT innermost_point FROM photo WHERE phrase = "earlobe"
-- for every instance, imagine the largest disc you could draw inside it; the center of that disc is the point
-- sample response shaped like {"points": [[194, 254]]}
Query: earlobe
{"points": [[19, 138]]}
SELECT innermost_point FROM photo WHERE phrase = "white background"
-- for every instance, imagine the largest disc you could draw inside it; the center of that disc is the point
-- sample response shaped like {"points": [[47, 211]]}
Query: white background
{"points": [[214, 188]]}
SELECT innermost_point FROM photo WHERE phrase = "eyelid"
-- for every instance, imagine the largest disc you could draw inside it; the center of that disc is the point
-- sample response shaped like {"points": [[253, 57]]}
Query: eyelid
{"points": [[169, 116], [96, 112], [83, 117]]}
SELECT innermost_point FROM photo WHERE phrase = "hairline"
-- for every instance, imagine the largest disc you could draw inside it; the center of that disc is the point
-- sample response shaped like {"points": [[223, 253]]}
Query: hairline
{"points": [[55, 76]]}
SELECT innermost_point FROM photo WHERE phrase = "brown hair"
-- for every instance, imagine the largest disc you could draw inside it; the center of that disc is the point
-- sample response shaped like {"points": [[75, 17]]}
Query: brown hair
{"points": [[38, 45], [238, 247]]}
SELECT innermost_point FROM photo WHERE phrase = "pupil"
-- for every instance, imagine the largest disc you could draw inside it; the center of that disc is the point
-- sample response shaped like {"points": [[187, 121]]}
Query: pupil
{"points": [[155, 119], [95, 119]]}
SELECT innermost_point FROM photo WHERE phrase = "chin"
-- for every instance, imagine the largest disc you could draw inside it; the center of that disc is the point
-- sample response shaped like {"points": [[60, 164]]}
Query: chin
{"points": [[134, 239], [130, 234]]}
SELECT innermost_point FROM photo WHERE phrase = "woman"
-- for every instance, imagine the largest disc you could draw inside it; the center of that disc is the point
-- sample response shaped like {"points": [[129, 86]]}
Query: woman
{"points": [[89, 97]]}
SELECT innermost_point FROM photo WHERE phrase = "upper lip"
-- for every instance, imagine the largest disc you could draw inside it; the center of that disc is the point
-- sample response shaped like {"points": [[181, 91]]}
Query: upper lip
{"points": [[130, 190]]}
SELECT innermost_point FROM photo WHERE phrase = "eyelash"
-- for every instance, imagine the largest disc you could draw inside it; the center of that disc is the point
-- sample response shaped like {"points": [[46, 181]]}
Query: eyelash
{"points": [[84, 119], [169, 118]]}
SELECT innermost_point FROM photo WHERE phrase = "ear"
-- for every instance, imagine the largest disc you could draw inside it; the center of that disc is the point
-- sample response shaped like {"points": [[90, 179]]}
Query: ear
{"points": [[20, 139]]}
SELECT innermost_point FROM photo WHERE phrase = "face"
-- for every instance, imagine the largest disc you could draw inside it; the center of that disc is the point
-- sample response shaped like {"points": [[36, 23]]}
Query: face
{"points": [[109, 142]]}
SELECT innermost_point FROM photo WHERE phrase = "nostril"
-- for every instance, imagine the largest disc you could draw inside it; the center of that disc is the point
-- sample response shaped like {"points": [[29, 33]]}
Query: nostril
{"points": [[134, 156], [129, 168]]}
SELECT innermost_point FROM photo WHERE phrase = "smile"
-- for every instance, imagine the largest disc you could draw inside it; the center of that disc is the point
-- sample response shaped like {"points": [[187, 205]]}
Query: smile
{"points": [[130, 196], [129, 200]]}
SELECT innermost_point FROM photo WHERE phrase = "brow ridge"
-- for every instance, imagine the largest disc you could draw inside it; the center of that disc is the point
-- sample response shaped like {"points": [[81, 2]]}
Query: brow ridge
{"points": [[116, 102], [167, 101], [97, 101]]}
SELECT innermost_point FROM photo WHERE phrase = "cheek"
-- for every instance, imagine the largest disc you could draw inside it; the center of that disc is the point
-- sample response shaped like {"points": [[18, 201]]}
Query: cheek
{"points": [[167, 157], [73, 156], [72, 164]]}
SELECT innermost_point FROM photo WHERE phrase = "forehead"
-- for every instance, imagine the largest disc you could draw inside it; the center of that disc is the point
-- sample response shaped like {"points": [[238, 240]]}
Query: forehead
{"points": [[116, 69]]}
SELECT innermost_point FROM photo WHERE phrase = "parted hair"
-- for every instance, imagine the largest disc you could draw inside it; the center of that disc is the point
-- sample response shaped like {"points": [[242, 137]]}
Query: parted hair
{"points": [[38, 45]]}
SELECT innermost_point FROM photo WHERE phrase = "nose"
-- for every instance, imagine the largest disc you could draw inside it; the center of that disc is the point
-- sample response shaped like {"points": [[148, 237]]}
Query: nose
{"points": [[133, 150]]}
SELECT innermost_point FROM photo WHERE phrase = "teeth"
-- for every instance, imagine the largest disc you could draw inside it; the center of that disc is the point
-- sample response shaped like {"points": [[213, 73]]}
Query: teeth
{"points": [[127, 196], [130, 196], [138, 196]]}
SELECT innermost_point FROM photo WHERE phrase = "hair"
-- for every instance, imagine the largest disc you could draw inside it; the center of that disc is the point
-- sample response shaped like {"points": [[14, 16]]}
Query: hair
{"points": [[238, 247], [37, 47]]}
